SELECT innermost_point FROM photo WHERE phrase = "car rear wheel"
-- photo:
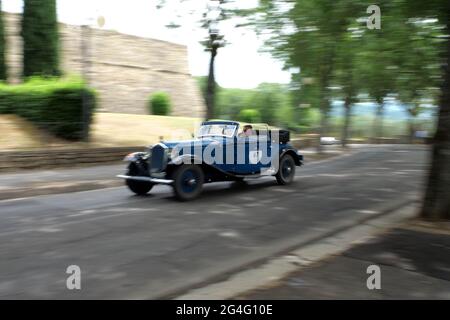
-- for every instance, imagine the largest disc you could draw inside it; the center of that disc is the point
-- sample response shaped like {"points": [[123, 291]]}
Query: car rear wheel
{"points": [[138, 187], [286, 172], [188, 182]]}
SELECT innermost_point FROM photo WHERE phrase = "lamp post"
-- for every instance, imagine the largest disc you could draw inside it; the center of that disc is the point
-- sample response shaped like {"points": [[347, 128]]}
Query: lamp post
{"points": [[214, 42]]}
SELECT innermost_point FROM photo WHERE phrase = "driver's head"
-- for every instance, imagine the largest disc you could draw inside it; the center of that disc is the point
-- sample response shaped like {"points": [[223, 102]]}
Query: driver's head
{"points": [[248, 130]]}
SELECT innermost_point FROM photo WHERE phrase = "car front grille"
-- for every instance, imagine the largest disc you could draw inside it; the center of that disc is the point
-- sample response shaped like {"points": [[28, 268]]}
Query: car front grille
{"points": [[158, 159]]}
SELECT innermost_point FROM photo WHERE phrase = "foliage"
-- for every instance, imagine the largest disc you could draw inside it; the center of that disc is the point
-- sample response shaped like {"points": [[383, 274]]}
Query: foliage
{"points": [[55, 105], [209, 15], [271, 100], [329, 43], [231, 101], [40, 38], [249, 115], [202, 83], [159, 104]]}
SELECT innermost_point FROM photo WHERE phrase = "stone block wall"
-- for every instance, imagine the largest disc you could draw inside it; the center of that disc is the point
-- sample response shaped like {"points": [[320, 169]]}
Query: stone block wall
{"points": [[124, 69]]}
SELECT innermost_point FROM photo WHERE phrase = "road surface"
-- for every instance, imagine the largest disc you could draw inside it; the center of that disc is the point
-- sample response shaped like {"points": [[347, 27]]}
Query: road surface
{"points": [[150, 247]]}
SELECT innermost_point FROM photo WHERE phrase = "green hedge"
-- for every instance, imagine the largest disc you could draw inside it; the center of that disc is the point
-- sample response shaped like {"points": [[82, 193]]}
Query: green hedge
{"points": [[159, 104], [55, 105]]}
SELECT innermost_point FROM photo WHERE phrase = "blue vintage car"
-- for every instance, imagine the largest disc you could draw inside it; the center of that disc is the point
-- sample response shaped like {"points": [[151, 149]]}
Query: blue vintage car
{"points": [[222, 151]]}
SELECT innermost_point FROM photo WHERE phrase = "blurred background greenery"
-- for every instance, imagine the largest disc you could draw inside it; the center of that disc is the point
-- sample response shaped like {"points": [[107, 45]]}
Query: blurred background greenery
{"points": [[348, 80]]}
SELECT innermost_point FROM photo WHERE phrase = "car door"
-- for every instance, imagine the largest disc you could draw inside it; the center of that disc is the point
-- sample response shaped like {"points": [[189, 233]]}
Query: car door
{"points": [[265, 150], [226, 160], [250, 154]]}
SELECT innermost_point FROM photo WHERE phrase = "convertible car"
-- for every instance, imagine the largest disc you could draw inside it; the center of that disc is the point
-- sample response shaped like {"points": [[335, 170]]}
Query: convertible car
{"points": [[222, 151]]}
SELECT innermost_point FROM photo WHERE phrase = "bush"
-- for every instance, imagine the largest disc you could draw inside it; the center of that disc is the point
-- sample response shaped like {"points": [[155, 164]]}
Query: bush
{"points": [[249, 115], [55, 105], [160, 104]]}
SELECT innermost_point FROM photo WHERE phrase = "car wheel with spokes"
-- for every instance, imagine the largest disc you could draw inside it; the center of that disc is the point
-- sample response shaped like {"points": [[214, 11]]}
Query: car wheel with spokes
{"points": [[286, 171], [188, 182]]}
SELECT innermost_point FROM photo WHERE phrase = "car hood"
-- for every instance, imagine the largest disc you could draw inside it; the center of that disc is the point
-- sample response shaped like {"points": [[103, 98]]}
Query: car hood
{"points": [[196, 142]]}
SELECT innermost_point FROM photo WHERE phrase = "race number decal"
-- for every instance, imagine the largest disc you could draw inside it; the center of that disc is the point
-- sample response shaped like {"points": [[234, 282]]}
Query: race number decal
{"points": [[255, 157]]}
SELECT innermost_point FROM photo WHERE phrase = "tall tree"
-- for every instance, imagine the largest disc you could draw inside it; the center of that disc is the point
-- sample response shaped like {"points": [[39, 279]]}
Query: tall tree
{"points": [[419, 71], [212, 44], [40, 38], [3, 71], [313, 47], [436, 204], [208, 15], [377, 63], [437, 196], [347, 76], [304, 34]]}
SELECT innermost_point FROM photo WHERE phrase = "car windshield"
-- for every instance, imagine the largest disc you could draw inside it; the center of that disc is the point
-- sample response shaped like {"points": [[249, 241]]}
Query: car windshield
{"points": [[223, 130]]}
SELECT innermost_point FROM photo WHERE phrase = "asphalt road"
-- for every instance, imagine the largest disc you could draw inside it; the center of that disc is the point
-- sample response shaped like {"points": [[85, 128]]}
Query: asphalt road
{"points": [[153, 246]]}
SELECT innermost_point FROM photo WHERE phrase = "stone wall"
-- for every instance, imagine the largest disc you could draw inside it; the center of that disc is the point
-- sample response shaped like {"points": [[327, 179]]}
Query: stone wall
{"points": [[124, 69], [58, 158]]}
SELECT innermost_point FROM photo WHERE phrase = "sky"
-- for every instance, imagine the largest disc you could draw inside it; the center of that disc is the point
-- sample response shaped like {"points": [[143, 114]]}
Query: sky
{"points": [[240, 64]]}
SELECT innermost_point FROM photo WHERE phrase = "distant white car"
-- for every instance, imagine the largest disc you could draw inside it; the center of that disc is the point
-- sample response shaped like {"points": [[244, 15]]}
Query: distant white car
{"points": [[328, 141]]}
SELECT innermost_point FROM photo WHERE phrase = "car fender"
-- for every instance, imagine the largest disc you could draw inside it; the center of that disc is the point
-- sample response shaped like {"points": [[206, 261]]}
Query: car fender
{"points": [[193, 159], [186, 159], [297, 157], [133, 157]]}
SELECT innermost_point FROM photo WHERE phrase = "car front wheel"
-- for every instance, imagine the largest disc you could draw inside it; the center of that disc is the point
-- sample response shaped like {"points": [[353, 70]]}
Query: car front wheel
{"points": [[138, 187], [188, 182], [286, 171]]}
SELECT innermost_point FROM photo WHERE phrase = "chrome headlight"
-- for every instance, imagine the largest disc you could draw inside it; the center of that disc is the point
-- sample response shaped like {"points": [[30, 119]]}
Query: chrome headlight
{"points": [[171, 153], [135, 156], [130, 157]]}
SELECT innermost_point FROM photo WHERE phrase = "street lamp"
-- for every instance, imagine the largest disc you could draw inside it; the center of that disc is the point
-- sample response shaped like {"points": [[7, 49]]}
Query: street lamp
{"points": [[215, 41]]}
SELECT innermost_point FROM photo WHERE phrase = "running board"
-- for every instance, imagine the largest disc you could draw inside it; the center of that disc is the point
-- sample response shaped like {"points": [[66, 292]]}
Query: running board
{"points": [[146, 179], [268, 173]]}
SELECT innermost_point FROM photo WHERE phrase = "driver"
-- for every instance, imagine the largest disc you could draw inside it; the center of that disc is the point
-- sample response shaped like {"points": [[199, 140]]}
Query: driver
{"points": [[247, 131]]}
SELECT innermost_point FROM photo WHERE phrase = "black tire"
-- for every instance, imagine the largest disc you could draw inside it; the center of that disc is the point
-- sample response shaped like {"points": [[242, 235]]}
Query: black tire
{"points": [[138, 187], [286, 171], [188, 182]]}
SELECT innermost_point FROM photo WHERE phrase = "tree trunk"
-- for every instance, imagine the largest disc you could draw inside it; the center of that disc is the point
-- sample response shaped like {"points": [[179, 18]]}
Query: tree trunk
{"points": [[347, 114], [323, 123], [378, 122], [211, 87], [324, 105], [412, 129], [436, 204]]}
